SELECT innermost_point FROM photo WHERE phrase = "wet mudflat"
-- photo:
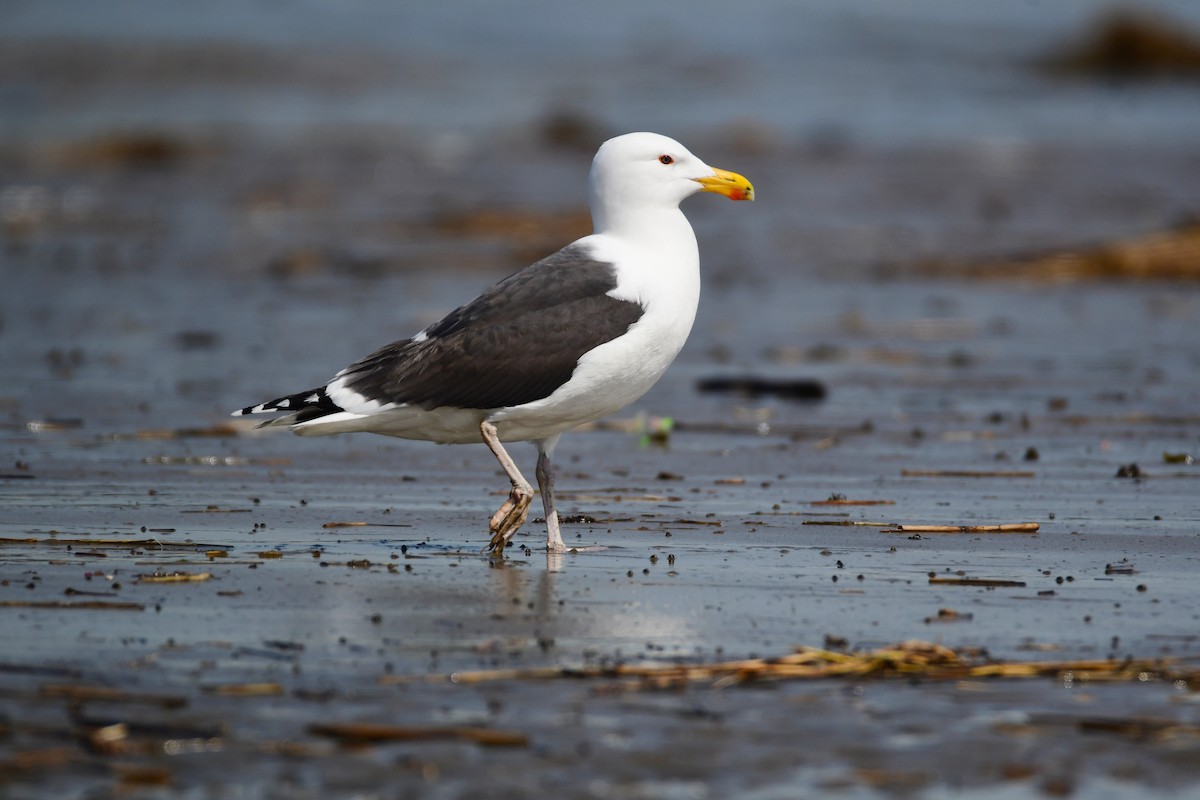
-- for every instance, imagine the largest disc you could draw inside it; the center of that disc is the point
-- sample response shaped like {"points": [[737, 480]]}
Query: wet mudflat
{"points": [[923, 401], [192, 607]]}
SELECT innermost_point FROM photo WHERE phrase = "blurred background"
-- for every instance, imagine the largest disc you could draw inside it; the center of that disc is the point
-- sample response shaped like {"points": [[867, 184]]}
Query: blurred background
{"points": [[869, 71]]}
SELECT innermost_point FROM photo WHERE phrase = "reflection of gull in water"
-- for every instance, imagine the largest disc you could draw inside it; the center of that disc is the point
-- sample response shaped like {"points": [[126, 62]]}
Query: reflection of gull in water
{"points": [[570, 339], [576, 619]]}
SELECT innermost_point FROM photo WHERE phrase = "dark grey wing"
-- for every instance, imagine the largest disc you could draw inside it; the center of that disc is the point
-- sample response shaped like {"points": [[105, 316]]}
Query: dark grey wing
{"points": [[514, 344]]}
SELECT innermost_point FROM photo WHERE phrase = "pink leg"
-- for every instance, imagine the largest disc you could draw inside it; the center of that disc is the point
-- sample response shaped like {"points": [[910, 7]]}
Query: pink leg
{"points": [[511, 516]]}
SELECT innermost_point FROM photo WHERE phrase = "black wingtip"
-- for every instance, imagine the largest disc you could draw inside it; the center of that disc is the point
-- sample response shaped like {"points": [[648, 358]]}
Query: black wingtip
{"points": [[309, 401]]}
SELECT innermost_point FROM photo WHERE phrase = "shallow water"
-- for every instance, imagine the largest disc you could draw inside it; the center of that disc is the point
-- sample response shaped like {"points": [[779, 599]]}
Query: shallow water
{"points": [[283, 230], [948, 376]]}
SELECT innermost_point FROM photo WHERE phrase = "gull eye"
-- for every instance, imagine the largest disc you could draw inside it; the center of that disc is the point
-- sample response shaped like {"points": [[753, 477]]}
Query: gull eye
{"points": [[665, 159]]}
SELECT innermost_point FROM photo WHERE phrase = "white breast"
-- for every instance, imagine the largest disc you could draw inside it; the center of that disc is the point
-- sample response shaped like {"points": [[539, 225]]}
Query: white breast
{"points": [[663, 276]]}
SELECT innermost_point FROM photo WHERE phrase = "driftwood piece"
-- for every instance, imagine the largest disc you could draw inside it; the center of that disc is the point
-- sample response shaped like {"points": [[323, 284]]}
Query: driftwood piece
{"points": [[1012, 527], [366, 732]]}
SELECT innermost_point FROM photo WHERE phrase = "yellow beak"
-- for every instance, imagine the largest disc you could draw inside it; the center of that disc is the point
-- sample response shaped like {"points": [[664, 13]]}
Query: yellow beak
{"points": [[730, 184]]}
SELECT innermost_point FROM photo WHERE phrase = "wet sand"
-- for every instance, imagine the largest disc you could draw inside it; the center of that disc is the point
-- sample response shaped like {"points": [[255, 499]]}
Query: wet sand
{"points": [[950, 402], [191, 608]]}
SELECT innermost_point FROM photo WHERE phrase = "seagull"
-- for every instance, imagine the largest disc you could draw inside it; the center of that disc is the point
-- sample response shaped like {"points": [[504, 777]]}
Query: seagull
{"points": [[572, 338]]}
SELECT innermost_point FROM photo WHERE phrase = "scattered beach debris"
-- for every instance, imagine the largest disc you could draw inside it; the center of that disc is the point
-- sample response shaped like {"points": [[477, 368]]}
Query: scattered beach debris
{"points": [[912, 658], [1011, 527], [800, 389], [1170, 255], [53, 424], [89, 605], [263, 689], [967, 473], [842, 500], [77, 692], [175, 577], [358, 733], [1130, 45], [990, 583], [571, 129], [55, 540], [132, 150], [529, 233]]}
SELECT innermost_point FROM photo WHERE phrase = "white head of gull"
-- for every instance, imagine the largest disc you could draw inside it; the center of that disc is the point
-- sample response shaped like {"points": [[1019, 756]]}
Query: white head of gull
{"points": [[572, 338]]}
